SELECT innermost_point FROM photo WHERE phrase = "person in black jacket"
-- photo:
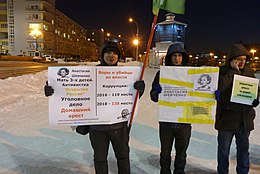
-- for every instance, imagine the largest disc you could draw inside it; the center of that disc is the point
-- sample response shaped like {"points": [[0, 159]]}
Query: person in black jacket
{"points": [[234, 119], [101, 135], [169, 131]]}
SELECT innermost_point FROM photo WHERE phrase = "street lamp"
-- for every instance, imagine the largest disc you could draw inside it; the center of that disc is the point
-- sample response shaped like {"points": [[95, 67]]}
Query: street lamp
{"points": [[36, 33], [108, 35], [211, 55], [136, 41], [103, 37], [253, 52]]}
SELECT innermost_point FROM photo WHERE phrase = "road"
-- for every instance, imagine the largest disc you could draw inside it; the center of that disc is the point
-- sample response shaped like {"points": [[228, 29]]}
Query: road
{"points": [[17, 68]]}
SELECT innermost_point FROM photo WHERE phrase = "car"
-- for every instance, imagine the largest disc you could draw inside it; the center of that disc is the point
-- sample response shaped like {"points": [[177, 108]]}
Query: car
{"points": [[50, 59], [37, 57], [72, 59]]}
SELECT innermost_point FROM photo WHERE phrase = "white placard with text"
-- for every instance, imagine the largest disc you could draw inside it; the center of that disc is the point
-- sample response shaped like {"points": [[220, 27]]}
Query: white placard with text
{"points": [[87, 95]]}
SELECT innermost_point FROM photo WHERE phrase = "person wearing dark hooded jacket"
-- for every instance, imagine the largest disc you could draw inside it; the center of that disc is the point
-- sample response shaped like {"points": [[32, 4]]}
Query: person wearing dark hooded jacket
{"points": [[234, 119], [118, 134], [169, 131]]}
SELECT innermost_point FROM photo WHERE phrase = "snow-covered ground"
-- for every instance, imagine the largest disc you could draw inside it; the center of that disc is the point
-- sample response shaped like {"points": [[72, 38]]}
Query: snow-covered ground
{"points": [[28, 145]]}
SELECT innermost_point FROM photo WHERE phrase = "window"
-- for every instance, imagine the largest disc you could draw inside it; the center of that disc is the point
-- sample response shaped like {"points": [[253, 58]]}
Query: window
{"points": [[34, 7], [3, 25], [3, 8], [3, 18], [35, 26], [45, 27], [34, 16]]}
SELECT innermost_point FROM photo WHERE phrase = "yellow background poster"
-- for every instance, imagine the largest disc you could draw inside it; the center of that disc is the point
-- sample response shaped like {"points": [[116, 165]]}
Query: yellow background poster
{"points": [[188, 94]]}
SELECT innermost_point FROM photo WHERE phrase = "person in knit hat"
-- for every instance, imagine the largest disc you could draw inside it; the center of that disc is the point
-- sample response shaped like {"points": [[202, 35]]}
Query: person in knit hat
{"points": [[234, 119], [117, 134], [110, 47]]}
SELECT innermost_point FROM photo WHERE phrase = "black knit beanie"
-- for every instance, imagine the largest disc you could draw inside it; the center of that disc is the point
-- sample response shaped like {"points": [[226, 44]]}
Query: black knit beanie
{"points": [[110, 46]]}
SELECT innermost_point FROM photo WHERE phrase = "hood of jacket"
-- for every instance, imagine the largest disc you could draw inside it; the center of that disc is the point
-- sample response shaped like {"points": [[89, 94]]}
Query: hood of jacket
{"points": [[176, 48], [238, 50]]}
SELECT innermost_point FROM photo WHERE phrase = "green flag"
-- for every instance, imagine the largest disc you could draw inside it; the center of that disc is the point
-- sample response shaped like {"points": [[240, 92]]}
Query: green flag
{"points": [[174, 6]]}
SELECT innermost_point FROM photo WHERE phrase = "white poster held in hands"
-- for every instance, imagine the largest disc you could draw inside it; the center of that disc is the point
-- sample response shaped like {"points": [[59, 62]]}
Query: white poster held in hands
{"points": [[87, 95], [73, 101], [188, 94], [115, 93]]}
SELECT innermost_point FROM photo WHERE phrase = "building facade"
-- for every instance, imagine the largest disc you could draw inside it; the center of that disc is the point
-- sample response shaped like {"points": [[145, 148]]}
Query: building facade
{"points": [[3, 27], [166, 32], [36, 25]]}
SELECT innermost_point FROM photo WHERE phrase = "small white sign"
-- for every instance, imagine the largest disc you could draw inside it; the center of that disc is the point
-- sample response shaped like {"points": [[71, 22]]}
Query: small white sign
{"points": [[244, 89]]}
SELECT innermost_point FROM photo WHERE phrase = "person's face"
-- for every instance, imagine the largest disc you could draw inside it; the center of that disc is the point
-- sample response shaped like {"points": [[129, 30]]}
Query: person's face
{"points": [[110, 57], [203, 80], [241, 61], [176, 58], [63, 73]]}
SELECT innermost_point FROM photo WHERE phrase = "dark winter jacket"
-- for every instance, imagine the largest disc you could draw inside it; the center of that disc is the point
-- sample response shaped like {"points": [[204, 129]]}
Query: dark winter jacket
{"points": [[233, 116], [174, 48]]}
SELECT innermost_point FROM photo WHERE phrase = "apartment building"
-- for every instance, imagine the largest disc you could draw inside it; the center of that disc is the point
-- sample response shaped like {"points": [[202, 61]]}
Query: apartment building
{"points": [[36, 25], [3, 27]]}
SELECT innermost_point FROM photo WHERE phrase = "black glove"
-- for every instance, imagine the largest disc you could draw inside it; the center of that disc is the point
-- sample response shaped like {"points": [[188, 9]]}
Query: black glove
{"points": [[48, 90], [158, 88], [217, 95], [255, 103], [139, 85]]}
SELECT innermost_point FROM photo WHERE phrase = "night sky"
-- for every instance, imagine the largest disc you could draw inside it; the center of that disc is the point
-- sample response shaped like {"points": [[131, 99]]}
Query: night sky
{"points": [[212, 24]]}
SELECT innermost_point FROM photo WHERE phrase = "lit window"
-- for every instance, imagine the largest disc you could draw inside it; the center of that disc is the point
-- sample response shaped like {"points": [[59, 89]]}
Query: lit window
{"points": [[34, 26], [45, 27]]}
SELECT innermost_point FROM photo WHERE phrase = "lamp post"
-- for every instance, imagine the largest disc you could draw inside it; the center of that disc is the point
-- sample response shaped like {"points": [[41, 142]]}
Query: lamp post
{"points": [[102, 37], [108, 35], [36, 33], [136, 41], [211, 55], [253, 53]]}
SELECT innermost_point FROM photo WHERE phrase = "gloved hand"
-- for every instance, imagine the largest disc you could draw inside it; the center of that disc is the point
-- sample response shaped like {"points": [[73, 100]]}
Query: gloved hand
{"points": [[48, 90], [255, 103], [158, 88], [139, 85], [217, 95]]}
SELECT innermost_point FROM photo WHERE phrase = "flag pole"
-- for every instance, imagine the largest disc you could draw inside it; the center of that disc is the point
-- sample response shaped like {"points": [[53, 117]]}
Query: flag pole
{"points": [[143, 68]]}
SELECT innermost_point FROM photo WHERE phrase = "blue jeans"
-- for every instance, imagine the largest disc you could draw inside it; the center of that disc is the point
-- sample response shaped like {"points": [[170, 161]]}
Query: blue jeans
{"points": [[242, 144]]}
